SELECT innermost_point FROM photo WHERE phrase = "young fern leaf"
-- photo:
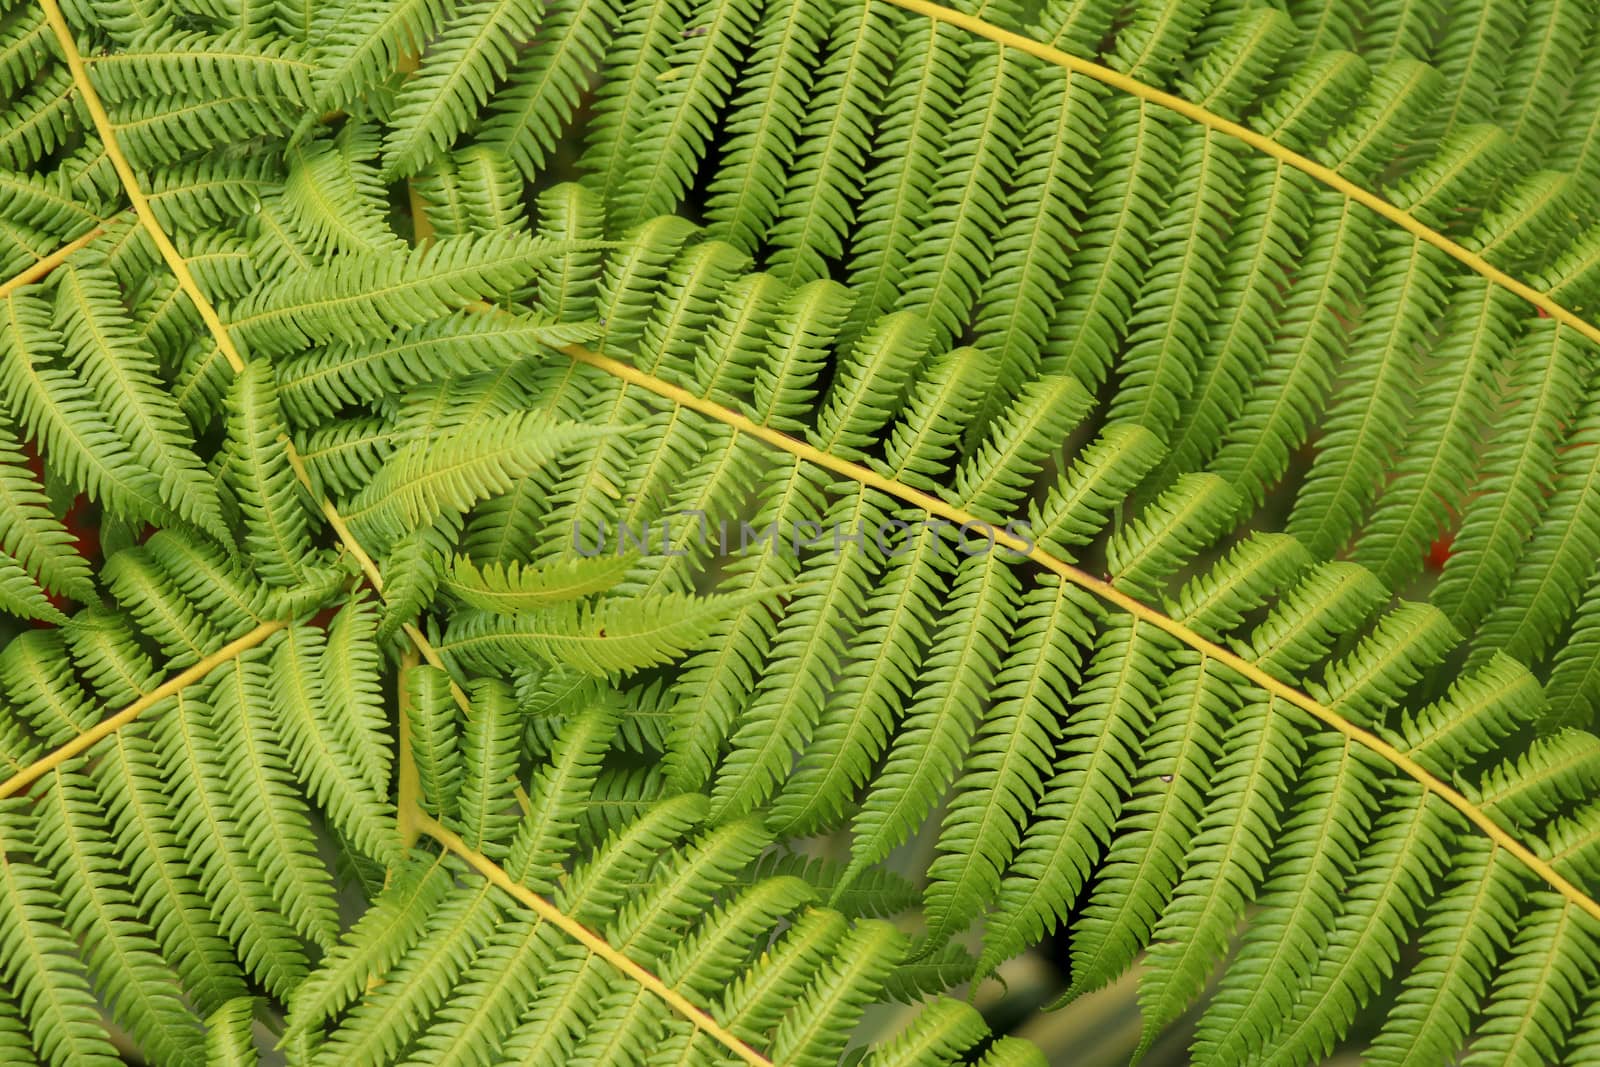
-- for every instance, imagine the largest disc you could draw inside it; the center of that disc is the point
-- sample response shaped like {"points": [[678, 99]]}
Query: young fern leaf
{"points": [[320, 383], [610, 635], [229, 1042], [490, 749], [353, 297], [332, 196], [275, 513], [413, 567], [512, 589], [426, 479]]}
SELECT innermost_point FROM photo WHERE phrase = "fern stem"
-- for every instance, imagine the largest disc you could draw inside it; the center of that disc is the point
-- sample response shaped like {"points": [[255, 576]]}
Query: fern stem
{"points": [[105, 727], [31, 274], [1107, 592], [130, 184], [591, 941], [1195, 113], [421, 227], [408, 783]]}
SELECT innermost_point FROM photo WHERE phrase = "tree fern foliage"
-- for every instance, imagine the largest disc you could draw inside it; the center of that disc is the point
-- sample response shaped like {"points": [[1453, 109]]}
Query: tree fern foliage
{"points": [[652, 533]]}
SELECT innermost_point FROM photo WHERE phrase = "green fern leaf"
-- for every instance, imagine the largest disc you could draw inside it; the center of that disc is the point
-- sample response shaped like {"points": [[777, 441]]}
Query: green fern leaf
{"points": [[613, 634], [473, 49], [48, 978], [229, 1042]]}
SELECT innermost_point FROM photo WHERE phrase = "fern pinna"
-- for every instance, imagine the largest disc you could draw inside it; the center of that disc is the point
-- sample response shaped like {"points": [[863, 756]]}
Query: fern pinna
{"points": [[622, 532]]}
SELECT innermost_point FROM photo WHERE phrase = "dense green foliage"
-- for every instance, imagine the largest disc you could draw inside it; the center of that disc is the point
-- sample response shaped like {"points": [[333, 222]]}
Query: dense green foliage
{"points": [[578, 492]]}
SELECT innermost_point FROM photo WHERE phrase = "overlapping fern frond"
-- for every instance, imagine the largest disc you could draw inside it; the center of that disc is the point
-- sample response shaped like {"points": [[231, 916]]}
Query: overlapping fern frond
{"points": [[554, 464]]}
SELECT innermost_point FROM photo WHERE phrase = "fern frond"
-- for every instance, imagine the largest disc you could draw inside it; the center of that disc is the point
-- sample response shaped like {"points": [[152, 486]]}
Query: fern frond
{"points": [[963, 659], [59, 412], [26, 48], [904, 160], [1006, 769], [490, 752], [275, 513], [818, 205], [49, 980], [163, 613], [354, 296], [1325, 830], [1252, 333], [471, 51], [373, 945], [321, 751], [273, 819], [1158, 825], [1527, 1013], [612, 634], [104, 354], [44, 120], [1344, 478], [172, 95], [120, 951], [429, 478], [1080, 803], [672, 129], [1027, 278], [333, 196], [228, 1038], [545, 85], [317, 384], [34, 537], [1492, 528], [241, 902], [513, 589], [360, 45], [475, 190], [433, 724]]}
